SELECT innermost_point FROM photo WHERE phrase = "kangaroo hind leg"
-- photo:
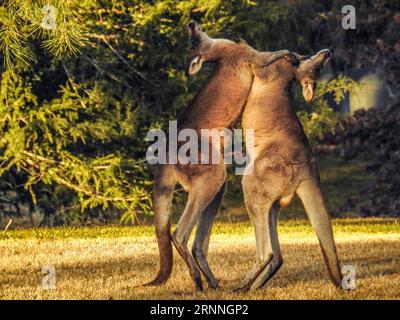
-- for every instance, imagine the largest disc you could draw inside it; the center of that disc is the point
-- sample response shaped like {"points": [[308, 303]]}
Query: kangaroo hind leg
{"points": [[201, 193], [202, 239], [264, 256], [259, 205], [273, 246]]}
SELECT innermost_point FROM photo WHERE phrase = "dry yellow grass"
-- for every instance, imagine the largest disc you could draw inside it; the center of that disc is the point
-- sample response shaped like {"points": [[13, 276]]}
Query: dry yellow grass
{"points": [[112, 262]]}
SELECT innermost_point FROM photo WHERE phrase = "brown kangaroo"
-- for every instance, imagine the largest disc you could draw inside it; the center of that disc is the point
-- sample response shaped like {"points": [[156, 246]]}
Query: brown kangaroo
{"points": [[283, 165], [218, 105]]}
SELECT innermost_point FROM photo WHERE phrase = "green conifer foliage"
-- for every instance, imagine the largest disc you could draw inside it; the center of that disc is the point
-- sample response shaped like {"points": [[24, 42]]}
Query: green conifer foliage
{"points": [[79, 92]]}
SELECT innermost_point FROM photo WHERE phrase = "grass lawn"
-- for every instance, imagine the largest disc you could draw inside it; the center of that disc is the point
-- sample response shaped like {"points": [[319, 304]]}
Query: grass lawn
{"points": [[112, 262]]}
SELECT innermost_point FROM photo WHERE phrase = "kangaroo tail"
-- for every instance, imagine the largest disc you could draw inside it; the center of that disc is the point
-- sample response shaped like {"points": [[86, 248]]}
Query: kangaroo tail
{"points": [[163, 193], [310, 194]]}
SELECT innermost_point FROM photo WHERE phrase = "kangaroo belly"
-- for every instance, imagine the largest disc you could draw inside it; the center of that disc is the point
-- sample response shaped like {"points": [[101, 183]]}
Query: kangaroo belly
{"points": [[279, 177]]}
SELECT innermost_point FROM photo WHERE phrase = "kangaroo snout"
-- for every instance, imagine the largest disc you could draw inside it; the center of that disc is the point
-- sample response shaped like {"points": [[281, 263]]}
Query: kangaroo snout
{"points": [[198, 40], [193, 26], [323, 55], [327, 53]]}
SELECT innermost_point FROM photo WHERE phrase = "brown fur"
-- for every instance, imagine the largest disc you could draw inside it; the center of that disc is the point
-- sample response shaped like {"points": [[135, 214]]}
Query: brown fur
{"points": [[283, 165], [218, 105]]}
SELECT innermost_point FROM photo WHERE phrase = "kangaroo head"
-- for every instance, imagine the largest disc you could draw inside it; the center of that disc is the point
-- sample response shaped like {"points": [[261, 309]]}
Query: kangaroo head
{"points": [[304, 69], [206, 49], [308, 71]]}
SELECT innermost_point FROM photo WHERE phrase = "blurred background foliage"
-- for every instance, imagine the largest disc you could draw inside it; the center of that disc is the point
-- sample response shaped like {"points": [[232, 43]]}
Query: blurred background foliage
{"points": [[77, 101]]}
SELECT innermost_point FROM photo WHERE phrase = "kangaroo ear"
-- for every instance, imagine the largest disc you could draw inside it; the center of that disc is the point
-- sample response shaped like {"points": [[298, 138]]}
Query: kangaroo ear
{"points": [[293, 59], [230, 35], [308, 91], [301, 57], [269, 57], [194, 65]]}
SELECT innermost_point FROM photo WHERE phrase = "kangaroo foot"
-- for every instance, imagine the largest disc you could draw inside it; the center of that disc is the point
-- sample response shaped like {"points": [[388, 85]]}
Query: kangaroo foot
{"points": [[252, 275]]}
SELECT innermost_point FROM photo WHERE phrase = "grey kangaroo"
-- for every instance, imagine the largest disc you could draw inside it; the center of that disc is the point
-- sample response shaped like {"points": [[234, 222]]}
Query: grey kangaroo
{"points": [[283, 165], [218, 105]]}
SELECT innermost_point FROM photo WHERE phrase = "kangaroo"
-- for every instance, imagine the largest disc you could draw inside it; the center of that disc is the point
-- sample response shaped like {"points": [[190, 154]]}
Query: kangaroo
{"points": [[283, 166], [219, 104]]}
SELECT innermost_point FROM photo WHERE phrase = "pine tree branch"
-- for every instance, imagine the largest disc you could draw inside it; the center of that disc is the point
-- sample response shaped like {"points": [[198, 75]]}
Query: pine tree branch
{"points": [[137, 73]]}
